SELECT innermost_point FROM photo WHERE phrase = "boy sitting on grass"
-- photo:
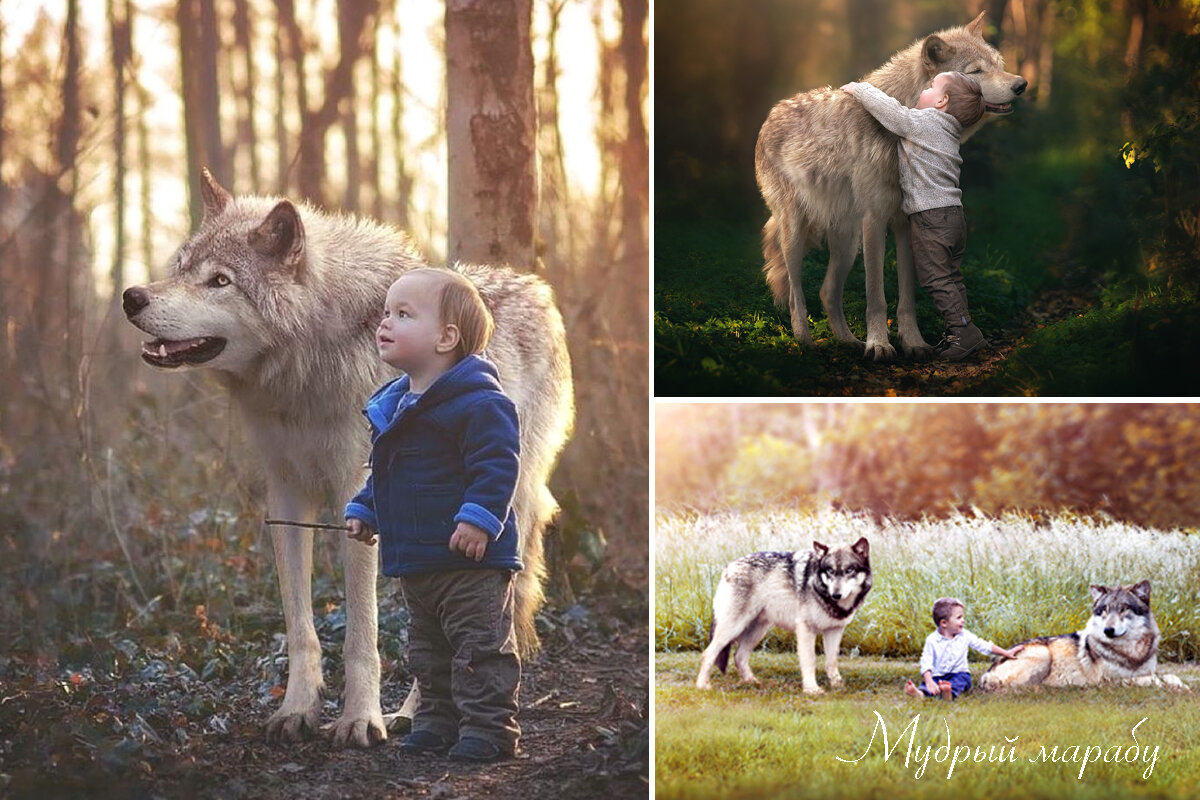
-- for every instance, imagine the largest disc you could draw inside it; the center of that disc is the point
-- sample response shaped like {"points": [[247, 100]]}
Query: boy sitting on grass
{"points": [[944, 670]]}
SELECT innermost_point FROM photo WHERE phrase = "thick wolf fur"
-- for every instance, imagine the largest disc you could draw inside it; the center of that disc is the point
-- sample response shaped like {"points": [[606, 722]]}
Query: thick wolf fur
{"points": [[295, 295], [827, 168], [1118, 645], [810, 592]]}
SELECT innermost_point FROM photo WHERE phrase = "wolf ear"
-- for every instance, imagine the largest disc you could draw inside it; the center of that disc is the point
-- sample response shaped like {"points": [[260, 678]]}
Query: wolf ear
{"points": [[1098, 592], [820, 549], [862, 548], [975, 26], [215, 196], [281, 236], [1141, 590], [934, 53]]}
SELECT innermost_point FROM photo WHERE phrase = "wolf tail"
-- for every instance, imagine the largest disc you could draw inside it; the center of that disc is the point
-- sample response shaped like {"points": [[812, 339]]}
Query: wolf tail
{"points": [[774, 266], [722, 661]]}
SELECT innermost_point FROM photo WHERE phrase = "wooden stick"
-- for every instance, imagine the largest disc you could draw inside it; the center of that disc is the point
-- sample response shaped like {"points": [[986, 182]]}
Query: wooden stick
{"points": [[317, 525]]}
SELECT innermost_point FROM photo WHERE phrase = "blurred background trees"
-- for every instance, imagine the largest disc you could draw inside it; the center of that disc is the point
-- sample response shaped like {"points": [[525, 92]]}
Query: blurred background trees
{"points": [[107, 113], [1137, 463]]}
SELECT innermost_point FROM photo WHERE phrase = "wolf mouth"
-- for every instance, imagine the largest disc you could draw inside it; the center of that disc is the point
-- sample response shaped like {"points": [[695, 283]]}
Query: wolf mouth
{"points": [[167, 353], [1000, 110]]}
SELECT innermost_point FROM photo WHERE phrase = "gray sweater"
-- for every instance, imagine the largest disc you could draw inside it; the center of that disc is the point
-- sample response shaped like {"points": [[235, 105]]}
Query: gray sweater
{"points": [[928, 149]]}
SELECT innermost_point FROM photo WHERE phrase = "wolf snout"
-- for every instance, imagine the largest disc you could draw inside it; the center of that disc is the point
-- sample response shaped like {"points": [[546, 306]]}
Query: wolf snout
{"points": [[1019, 86], [133, 300], [1111, 633]]}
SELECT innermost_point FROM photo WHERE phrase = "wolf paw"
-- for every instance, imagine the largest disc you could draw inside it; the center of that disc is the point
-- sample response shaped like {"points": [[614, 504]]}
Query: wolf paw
{"points": [[286, 725], [813, 690], [703, 684], [917, 352], [876, 351], [836, 682], [358, 730]]}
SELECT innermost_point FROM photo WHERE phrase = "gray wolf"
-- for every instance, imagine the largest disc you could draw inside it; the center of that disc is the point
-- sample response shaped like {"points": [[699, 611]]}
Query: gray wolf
{"points": [[827, 168], [810, 592], [1118, 644], [280, 302]]}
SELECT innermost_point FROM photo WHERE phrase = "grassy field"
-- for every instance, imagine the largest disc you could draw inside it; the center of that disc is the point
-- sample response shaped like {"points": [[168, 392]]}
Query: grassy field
{"points": [[1019, 576], [771, 741]]}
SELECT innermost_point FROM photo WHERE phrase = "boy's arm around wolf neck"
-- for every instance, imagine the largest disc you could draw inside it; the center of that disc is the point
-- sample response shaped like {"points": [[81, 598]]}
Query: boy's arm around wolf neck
{"points": [[887, 110]]}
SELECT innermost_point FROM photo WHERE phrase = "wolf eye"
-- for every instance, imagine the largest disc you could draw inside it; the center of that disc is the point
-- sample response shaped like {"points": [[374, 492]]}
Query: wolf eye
{"points": [[219, 280]]}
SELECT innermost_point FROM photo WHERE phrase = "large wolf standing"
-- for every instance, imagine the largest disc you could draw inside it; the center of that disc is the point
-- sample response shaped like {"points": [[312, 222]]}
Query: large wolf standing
{"points": [[827, 168], [1118, 645], [281, 301], [810, 592]]}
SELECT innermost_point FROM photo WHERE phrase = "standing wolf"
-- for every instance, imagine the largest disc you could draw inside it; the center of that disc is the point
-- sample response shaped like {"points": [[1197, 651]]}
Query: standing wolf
{"points": [[1119, 644], [827, 168], [281, 301], [809, 592]]}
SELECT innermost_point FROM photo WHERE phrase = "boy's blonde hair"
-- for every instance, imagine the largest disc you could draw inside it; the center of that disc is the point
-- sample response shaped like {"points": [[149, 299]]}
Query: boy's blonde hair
{"points": [[965, 98], [460, 305], [942, 608]]}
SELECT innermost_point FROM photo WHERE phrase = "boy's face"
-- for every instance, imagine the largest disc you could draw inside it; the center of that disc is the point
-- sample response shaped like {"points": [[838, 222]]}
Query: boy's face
{"points": [[411, 329], [953, 624], [935, 95]]}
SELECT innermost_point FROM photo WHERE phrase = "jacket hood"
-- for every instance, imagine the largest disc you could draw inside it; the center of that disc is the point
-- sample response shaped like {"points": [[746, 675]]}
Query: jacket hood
{"points": [[471, 374]]}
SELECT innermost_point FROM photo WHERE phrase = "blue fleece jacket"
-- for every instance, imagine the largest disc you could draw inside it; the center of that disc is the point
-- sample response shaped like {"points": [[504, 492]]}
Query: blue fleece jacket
{"points": [[450, 457]]}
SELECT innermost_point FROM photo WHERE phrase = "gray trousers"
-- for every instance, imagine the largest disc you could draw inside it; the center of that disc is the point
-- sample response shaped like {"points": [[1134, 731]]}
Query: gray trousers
{"points": [[462, 650], [939, 238]]}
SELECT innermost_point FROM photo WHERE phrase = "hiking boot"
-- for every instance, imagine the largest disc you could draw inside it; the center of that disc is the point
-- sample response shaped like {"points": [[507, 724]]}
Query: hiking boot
{"points": [[960, 341], [478, 750], [425, 743]]}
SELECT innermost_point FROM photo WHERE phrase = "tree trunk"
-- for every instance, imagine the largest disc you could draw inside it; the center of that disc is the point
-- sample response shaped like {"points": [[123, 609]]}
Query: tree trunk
{"points": [[635, 157], [554, 193], [247, 135], [490, 132], [120, 44], [339, 85], [403, 180]]}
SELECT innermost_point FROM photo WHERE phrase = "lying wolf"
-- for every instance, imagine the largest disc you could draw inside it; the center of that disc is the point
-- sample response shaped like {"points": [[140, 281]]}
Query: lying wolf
{"points": [[1119, 644], [810, 592], [827, 168], [281, 302]]}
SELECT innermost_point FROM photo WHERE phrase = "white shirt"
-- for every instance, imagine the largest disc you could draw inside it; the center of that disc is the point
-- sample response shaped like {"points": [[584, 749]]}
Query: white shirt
{"points": [[944, 656]]}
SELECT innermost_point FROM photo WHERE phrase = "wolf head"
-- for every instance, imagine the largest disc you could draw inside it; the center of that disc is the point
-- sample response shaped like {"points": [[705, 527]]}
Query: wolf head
{"points": [[843, 575], [264, 274], [1121, 610]]}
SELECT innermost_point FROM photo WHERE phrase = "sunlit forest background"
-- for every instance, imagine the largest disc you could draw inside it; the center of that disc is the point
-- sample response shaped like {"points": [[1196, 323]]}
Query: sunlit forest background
{"points": [[1083, 206], [1134, 463], [108, 111]]}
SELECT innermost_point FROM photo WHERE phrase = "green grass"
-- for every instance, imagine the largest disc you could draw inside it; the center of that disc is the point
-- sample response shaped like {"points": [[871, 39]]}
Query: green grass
{"points": [[1019, 576], [771, 741]]}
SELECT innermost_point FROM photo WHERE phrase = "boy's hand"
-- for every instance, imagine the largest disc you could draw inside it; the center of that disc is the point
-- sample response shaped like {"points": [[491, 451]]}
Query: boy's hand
{"points": [[469, 540], [848, 88], [360, 531], [1013, 652]]}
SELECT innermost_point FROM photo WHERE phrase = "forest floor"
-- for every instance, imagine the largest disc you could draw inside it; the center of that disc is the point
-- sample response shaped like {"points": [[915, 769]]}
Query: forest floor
{"points": [[118, 715]]}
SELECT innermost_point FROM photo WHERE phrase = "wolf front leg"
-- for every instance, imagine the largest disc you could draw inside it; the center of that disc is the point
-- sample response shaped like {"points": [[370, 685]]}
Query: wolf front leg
{"points": [[878, 347], [806, 649], [833, 642], [300, 713], [362, 721]]}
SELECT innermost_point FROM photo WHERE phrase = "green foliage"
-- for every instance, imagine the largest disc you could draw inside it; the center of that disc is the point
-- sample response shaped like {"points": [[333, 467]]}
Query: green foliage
{"points": [[771, 741], [1019, 576]]}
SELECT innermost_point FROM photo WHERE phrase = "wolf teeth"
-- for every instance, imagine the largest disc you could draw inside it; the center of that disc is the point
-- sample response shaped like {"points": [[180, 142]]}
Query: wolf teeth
{"points": [[162, 351]]}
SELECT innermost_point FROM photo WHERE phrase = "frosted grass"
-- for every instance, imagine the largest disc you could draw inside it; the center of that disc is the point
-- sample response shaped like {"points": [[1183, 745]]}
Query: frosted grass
{"points": [[1018, 576]]}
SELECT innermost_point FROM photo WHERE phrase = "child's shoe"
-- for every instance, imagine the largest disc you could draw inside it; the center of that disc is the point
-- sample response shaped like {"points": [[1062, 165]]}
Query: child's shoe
{"points": [[960, 341], [425, 743], [471, 749]]}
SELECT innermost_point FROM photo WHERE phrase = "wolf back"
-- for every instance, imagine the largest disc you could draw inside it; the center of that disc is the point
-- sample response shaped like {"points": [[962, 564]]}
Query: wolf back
{"points": [[809, 592]]}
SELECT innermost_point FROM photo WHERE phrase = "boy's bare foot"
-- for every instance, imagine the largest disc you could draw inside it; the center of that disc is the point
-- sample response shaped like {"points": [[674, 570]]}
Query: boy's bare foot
{"points": [[947, 692], [911, 690]]}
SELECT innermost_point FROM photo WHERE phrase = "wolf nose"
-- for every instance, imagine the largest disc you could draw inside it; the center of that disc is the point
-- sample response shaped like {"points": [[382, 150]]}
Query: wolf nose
{"points": [[134, 299], [1110, 632], [1019, 85]]}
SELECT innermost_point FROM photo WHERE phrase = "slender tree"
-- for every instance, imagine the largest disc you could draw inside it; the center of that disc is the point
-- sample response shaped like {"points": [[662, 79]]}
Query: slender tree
{"points": [[490, 128], [243, 32], [120, 45]]}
